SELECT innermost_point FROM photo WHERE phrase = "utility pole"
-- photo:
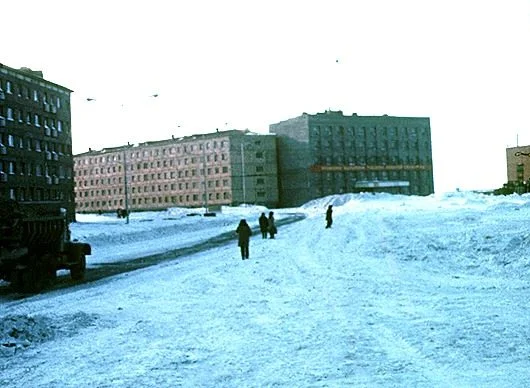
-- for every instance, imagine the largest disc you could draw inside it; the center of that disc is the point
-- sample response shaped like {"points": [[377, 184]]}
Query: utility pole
{"points": [[125, 185], [204, 174], [243, 172]]}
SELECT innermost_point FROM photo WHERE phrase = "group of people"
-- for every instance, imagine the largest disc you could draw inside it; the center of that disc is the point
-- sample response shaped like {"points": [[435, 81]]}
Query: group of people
{"points": [[267, 226]]}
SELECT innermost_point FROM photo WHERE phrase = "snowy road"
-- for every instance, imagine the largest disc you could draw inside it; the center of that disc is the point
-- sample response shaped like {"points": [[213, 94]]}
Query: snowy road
{"points": [[423, 297]]}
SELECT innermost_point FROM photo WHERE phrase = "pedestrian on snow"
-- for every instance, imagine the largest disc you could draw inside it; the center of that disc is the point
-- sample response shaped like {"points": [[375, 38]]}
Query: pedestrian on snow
{"points": [[244, 232], [263, 225], [272, 225], [329, 216]]}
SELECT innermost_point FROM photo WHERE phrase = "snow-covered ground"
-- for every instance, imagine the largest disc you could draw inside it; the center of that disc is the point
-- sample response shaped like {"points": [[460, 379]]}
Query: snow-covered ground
{"points": [[400, 292]]}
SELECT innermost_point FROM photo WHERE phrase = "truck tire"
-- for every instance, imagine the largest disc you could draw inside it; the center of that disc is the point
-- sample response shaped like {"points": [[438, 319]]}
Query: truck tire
{"points": [[77, 271]]}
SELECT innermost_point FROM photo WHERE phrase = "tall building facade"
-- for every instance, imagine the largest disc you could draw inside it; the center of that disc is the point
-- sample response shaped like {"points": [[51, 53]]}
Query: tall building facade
{"points": [[518, 166], [36, 162], [329, 153], [210, 170]]}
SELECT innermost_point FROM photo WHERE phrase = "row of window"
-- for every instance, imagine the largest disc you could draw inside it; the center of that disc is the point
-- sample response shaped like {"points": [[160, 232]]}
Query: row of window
{"points": [[161, 176], [155, 153], [153, 164], [167, 200], [160, 188], [360, 132], [51, 149], [33, 194], [35, 119], [22, 91], [26, 168]]}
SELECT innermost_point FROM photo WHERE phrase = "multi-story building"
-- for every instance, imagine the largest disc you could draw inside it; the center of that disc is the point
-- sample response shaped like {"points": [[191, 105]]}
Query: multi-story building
{"points": [[329, 153], [518, 167], [210, 170], [36, 162]]}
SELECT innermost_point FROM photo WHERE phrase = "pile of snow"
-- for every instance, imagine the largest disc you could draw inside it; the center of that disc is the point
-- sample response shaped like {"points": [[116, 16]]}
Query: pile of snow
{"points": [[401, 291]]}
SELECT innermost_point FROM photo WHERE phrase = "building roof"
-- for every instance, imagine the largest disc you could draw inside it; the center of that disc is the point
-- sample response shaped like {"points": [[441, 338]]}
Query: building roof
{"points": [[175, 140], [35, 75]]}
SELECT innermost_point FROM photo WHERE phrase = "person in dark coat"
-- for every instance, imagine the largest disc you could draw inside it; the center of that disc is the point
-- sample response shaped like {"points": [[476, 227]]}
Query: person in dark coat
{"points": [[329, 216], [272, 225], [263, 225], [244, 232]]}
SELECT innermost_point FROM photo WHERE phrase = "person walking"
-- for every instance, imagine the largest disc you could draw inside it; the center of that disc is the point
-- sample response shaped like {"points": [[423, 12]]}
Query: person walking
{"points": [[263, 225], [272, 225], [329, 216], [244, 232]]}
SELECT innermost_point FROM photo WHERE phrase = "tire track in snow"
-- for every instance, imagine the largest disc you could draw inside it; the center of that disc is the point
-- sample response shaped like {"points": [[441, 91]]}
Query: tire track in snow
{"points": [[392, 294]]}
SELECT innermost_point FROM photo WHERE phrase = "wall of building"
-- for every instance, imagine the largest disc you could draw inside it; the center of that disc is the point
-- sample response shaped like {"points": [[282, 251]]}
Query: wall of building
{"points": [[36, 161], [518, 164], [330, 153], [254, 170], [295, 184], [195, 171]]}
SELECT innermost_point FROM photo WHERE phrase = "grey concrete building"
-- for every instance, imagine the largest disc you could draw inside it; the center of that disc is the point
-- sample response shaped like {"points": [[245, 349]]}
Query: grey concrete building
{"points": [[206, 170], [36, 162], [329, 153], [518, 169]]}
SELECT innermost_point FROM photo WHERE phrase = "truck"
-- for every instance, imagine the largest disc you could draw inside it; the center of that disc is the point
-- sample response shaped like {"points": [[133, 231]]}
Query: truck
{"points": [[35, 242]]}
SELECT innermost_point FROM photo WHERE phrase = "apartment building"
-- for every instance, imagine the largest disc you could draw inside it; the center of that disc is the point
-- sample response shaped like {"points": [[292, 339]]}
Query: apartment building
{"points": [[36, 162], [207, 170], [330, 153]]}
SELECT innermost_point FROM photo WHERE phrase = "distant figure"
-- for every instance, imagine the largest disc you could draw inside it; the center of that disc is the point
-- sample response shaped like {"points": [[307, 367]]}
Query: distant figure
{"points": [[272, 225], [244, 232], [329, 216], [263, 225]]}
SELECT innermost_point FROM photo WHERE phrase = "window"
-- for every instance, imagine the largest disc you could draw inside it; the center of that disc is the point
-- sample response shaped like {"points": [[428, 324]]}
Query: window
{"points": [[35, 96], [10, 114], [36, 120], [8, 87]]}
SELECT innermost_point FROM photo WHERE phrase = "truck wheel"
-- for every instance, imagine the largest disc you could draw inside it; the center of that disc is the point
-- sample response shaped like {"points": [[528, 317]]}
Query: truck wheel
{"points": [[77, 271]]}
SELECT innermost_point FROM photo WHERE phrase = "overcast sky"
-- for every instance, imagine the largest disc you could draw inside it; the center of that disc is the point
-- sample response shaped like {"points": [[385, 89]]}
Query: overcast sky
{"points": [[247, 64]]}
